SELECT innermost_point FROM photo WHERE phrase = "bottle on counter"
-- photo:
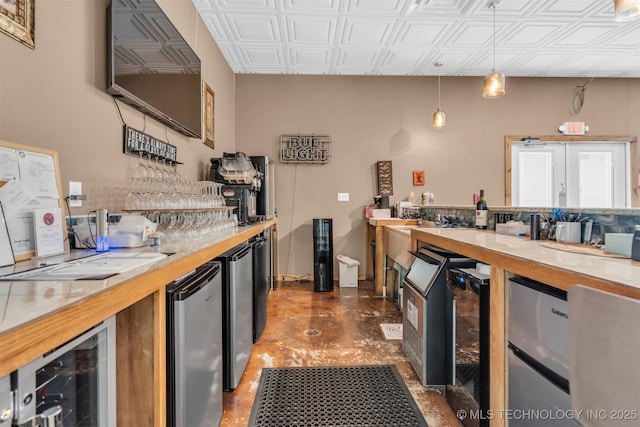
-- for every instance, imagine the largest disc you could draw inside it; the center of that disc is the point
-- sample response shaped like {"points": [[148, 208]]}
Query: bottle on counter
{"points": [[412, 198], [481, 212]]}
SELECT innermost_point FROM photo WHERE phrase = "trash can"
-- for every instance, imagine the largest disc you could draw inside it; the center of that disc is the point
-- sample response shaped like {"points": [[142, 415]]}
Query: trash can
{"points": [[348, 270]]}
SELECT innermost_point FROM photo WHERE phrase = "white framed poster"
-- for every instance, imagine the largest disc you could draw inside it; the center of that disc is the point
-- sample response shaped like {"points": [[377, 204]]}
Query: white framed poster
{"points": [[29, 179], [6, 252]]}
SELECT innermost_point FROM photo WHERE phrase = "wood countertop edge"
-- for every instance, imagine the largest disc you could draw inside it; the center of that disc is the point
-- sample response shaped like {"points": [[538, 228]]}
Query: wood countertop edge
{"points": [[25, 343], [550, 275]]}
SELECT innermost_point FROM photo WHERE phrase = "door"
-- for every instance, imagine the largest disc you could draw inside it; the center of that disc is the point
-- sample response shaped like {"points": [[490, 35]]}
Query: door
{"points": [[538, 174], [570, 174], [597, 175]]}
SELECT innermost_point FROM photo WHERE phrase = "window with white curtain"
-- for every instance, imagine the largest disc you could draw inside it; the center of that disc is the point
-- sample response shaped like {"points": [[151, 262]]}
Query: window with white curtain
{"points": [[570, 174]]}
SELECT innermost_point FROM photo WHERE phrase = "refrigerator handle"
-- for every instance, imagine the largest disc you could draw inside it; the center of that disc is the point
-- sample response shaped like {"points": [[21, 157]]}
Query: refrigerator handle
{"points": [[551, 376], [52, 417], [241, 253], [198, 281]]}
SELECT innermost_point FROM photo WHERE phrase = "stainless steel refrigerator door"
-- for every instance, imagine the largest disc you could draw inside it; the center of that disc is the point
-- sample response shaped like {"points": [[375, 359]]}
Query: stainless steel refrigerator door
{"points": [[198, 354], [539, 326], [534, 401], [604, 345], [262, 284], [241, 315]]}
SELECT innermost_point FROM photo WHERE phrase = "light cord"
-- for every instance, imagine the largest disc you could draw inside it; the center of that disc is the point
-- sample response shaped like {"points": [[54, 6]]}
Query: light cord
{"points": [[494, 35]]}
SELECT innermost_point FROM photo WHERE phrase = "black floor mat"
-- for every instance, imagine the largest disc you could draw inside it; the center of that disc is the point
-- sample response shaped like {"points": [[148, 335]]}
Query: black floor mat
{"points": [[337, 396]]}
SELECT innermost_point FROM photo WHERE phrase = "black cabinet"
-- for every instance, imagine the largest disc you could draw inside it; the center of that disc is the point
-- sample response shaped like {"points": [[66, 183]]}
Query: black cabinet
{"points": [[322, 254]]}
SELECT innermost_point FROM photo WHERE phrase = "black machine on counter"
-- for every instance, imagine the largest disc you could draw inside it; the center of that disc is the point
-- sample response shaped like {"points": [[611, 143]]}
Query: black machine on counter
{"points": [[247, 184]]}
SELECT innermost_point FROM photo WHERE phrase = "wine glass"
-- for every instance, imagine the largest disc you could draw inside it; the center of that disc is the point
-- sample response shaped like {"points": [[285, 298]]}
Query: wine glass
{"points": [[139, 175]]}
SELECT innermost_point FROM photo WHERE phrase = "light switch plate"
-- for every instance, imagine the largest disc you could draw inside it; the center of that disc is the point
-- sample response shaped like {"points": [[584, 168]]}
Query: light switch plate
{"points": [[75, 189], [343, 197]]}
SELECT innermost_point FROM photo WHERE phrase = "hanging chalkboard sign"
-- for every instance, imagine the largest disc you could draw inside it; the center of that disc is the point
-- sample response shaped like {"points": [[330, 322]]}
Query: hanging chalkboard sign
{"points": [[139, 143]]}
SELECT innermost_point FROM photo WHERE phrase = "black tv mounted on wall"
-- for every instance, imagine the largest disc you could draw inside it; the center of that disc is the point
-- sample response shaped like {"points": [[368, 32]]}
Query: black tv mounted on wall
{"points": [[151, 67]]}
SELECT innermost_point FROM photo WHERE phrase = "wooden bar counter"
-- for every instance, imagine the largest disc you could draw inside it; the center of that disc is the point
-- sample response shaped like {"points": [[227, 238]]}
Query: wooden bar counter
{"points": [[375, 232], [511, 255], [39, 316]]}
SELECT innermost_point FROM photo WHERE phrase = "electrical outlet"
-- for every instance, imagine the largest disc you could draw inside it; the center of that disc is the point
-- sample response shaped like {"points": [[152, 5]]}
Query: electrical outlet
{"points": [[343, 197], [75, 189]]}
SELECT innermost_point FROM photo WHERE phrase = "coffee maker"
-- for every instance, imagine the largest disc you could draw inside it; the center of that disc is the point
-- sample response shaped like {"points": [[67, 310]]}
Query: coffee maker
{"points": [[241, 183]]}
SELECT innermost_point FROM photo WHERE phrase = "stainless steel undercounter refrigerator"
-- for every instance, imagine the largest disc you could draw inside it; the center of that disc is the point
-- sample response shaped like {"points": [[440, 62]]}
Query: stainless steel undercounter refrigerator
{"points": [[237, 312], [194, 348]]}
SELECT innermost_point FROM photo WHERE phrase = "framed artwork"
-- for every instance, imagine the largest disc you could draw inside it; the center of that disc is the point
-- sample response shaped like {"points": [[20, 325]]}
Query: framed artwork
{"points": [[418, 177], [385, 178], [17, 20], [208, 116]]}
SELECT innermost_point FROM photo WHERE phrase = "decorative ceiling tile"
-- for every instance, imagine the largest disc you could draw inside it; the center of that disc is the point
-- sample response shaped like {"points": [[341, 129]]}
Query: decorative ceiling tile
{"points": [[264, 57], [405, 37], [309, 57], [312, 6], [382, 7], [254, 28], [365, 58], [421, 33], [368, 32], [311, 30]]}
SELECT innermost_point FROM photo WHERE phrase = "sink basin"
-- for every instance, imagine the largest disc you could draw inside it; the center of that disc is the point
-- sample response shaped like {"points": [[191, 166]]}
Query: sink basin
{"points": [[96, 267]]}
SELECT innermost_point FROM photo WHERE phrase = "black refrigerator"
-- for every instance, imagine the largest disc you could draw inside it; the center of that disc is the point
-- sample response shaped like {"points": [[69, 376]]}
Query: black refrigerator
{"points": [[322, 254], [261, 280]]}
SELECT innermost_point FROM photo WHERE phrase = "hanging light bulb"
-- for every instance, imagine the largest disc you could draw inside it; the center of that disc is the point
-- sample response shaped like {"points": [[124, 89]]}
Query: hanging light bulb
{"points": [[494, 81], [439, 117], [626, 10]]}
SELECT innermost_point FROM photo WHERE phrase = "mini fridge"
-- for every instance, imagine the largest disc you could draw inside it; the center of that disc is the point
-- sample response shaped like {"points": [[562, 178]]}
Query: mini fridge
{"points": [[194, 348], [237, 312], [261, 280], [322, 254], [538, 354]]}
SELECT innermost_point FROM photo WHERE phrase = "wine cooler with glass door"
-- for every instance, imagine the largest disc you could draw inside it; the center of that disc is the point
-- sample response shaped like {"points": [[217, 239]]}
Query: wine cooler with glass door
{"points": [[72, 385]]}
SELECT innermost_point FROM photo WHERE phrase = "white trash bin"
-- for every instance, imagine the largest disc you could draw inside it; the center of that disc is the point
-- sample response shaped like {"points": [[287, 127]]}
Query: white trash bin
{"points": [[348, 271]]}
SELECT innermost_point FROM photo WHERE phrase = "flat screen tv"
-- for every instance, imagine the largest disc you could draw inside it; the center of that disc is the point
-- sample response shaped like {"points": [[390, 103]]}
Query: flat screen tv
{"points": [[151, 67]]}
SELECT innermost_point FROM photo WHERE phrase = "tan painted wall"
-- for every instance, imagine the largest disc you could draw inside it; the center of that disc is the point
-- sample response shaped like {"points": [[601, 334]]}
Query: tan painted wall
{"points": [[54, 96], [389, 118]]}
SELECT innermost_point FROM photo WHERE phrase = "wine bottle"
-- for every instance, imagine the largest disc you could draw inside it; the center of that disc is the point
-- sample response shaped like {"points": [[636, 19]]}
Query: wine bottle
{"points": [[481, 212]]}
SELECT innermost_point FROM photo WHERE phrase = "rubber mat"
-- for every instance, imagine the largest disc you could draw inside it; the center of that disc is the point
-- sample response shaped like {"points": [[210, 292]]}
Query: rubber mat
{"points": [[334, 396]]}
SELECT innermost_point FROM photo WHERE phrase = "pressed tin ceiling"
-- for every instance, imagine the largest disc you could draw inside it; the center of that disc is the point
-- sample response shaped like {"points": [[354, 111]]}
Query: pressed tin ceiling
{"points": [[541, 38]]}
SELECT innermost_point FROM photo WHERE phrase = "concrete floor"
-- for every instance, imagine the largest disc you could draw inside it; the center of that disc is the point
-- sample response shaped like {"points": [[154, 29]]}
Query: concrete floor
{"points": [[342, 327]]}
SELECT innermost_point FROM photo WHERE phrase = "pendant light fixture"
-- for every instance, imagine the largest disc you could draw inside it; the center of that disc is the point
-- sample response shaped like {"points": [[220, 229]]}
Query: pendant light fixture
{"points": [[626, 10], [494, 81], [439, 117]]}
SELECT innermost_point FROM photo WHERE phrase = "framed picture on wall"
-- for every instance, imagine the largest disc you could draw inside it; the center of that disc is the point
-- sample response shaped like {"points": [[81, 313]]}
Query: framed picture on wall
{"points": [[17, 20], [418, 177], [208, 116], [385, 178]]}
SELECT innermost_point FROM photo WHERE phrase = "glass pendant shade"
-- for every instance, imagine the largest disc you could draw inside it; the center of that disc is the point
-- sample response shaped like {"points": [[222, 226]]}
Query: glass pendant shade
{"points": [[439, 119], [494, 85], [626, 10]]}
